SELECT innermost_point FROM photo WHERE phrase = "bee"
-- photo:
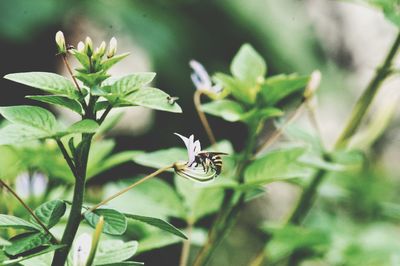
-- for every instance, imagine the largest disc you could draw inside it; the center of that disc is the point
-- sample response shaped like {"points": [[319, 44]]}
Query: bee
{"points": [[210, 161]]}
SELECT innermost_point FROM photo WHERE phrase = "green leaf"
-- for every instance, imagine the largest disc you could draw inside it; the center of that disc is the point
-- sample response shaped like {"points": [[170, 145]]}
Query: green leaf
{"points": [[276, 165], [15, 134], [93, 79], [31, 116], [8, 221], [83, 126], [161, 158], [154, 197], [108, 63], [45, 81], [81, 57], [4, 242], [19, 259], [153, 98], [114, 222], [27, 241], [114, 251], [239, 89], [227, 109], [71, 104], [163, 225], [248, 65], [390, 9], [130, 83], [124, 263], [198, 199], [278, 87], [50, 212]]}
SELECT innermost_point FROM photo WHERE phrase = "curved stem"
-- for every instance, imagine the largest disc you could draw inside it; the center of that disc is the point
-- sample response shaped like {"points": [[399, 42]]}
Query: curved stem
{"points": [[31, 212], [202, 116], [186, 245], [119, 193]]}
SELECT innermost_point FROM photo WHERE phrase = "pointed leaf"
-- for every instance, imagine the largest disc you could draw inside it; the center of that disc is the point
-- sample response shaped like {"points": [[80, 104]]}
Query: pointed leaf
{"points": [[32, 116], [161, 158], [15, 133], [83, 126], [108, 63], [153, 98], [115, 223], [50, 212], [8, 221], [130, 83], [115, 251], [163, 225], [19, 259], [71, 104], [248, 65], [45, 81]]}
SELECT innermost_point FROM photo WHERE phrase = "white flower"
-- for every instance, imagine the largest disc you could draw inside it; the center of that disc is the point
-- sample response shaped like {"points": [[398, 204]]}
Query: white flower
{"points": [[193, 148], [81, 250], [201, 79], [34, 185]]}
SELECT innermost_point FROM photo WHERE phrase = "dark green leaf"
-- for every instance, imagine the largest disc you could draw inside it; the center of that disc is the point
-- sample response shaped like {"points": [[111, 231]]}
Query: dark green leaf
{"points": [[27, 241], [45, 81], [50, 212], [114, 222], [9, 221], [163, 225], [19, 259], [71, 104]]}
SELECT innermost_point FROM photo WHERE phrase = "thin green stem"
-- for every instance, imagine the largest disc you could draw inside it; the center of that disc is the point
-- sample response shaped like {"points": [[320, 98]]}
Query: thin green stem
{"points": [[31, 212], [66, 156], [366, 98], [104, 115]]}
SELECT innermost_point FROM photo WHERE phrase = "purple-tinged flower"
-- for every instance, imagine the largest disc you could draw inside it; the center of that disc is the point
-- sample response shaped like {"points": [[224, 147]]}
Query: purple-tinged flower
{"points": [[30, 186], [201, 79]]}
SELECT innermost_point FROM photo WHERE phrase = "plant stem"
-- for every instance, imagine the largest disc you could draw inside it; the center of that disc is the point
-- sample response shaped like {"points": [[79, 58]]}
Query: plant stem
{"points": [[366, 98], [2, 183], [202, 116], [104, 115], [74, 218], [67, 158], [186, 245], [119, 193], [360, 109]]}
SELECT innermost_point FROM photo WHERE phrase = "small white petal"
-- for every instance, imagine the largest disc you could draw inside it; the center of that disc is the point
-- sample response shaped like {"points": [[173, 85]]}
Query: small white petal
{"points": [[202, 81], [22, 185], [39, 184], [81, 250]]}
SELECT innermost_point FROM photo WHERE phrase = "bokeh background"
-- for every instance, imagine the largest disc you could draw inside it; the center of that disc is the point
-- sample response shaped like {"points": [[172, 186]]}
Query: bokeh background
{"points": [[344, 40]]}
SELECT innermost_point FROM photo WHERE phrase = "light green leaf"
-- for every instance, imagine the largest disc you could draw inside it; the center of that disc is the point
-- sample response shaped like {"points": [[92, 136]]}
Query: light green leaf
{"points": [[93, 79], [154, 197], [8, 221], [45, 81], [153, 98], [19, 259], [50, 212], [276, 165], [226, 109], [163, 225], [278, 87], [161, 158], [27, 241], [83, 126], [130, 83], [31, 116], [71, 104], [114, 251], [239, 89], [4, 242], [114, 222], [108, 63], [248, 65]]}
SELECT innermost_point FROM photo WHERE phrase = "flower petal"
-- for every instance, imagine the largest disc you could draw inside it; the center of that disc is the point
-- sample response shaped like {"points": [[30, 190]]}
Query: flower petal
{"points": [[200, 77]]}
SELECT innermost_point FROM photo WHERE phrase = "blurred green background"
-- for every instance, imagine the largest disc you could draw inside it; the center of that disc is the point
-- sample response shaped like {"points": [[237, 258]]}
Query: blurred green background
{"points": [[344, 40]]}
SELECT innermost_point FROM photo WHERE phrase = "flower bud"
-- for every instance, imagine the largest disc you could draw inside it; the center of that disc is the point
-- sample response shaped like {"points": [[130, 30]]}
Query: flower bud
{"points": [[60, 41], [313, 84], [81, 47], [88, 46], [101, 50], [112, 48]]}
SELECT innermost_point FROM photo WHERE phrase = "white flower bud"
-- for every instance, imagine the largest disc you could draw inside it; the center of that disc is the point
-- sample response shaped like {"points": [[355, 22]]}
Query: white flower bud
{"points": [[81, 47], [60, 41], [88, 46], [81, 250], [112, 48], [100, 51]]}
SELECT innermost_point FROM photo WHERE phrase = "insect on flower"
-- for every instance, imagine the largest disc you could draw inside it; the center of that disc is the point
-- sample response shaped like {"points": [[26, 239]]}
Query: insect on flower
{"points": [[201, 79], [201, 166]]}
